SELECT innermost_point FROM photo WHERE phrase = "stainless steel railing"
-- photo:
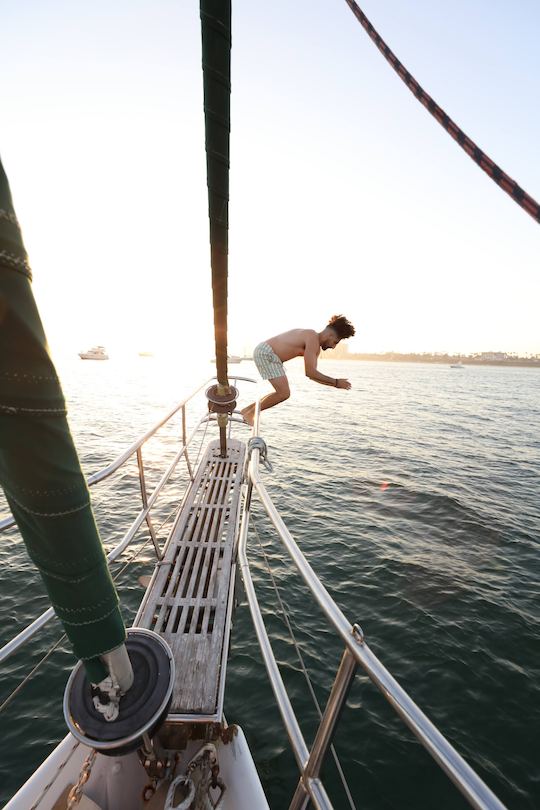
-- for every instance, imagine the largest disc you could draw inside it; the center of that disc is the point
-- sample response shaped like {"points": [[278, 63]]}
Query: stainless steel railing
{"points": [[356, 652], [148, 501]]}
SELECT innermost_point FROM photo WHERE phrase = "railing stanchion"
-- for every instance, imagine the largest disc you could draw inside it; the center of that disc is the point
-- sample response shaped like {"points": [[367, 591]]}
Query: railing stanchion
{"points": [[290, 722], [144, 497], [301, 797], [325, 732], [7, 523], [188, 462], [475, 790]]}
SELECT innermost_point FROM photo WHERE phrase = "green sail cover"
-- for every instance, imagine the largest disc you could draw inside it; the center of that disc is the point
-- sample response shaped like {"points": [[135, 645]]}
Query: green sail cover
{"points": [[39, 466]]}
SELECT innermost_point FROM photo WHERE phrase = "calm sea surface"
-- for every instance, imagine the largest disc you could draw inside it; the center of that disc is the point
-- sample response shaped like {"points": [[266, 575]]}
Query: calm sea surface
{"points": [[415, 497]]}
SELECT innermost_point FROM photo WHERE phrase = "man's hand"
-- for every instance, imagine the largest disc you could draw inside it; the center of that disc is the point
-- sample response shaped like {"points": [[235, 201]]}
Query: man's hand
{"points": [[342, 383]]}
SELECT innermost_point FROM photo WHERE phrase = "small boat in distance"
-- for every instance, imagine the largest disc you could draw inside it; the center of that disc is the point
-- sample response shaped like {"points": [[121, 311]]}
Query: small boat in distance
{"points": [[95, 353], [146, 354], [457, 365]]}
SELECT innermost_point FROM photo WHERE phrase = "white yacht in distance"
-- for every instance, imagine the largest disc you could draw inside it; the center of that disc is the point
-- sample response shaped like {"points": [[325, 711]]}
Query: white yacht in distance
{"points": [[457, 365], [95, 353], [231, 358]]}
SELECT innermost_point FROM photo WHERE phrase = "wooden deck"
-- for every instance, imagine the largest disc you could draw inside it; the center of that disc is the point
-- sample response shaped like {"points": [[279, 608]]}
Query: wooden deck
{"points": [[190, 600]]}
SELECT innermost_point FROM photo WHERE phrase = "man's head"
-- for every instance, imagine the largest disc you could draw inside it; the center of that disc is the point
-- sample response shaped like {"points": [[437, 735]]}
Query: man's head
{"points": [[338, 328]]}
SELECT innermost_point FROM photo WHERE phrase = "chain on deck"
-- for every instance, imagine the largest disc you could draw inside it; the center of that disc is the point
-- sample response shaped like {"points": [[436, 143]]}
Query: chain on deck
{"points": [[190, 601]]}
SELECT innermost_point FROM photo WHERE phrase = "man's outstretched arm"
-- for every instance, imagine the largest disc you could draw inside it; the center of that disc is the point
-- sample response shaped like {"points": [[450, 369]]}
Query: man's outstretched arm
{"points": [[311, 355]]}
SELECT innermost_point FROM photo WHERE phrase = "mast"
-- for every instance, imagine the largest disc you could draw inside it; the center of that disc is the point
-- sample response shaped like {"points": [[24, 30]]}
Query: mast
{"points": [[216, 61]]}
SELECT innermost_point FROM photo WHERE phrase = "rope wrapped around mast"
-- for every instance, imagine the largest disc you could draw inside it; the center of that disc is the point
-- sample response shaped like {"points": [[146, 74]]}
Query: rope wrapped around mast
{"points": [[486, 164], [216, 61]]}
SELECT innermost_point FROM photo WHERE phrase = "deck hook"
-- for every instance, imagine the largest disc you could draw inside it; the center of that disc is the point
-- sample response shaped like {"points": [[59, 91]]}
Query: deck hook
{"points": [[256, 443], [358, 633]]}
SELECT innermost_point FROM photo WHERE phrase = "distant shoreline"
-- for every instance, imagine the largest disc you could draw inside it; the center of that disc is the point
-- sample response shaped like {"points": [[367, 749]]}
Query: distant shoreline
{"points": [[444, 360]]}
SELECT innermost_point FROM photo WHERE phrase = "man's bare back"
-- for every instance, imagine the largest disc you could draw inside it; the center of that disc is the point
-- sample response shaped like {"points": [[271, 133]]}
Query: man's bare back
{"points": [[270, 355], [292, 343]]}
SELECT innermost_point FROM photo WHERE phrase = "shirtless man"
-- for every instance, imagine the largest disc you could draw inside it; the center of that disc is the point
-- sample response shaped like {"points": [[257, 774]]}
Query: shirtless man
{"points": [[270, 356]]}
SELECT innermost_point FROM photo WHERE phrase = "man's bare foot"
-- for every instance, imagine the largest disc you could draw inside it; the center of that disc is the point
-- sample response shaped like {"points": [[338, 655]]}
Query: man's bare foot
{"points": [[248, 415]]}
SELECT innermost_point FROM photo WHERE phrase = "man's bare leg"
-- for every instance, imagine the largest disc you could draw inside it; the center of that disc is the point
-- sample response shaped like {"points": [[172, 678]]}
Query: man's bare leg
{"points": [[281, 393]]}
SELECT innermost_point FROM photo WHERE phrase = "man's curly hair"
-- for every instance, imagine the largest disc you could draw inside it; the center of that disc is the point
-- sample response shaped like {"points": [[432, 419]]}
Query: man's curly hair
{"points": [[342, 327]]}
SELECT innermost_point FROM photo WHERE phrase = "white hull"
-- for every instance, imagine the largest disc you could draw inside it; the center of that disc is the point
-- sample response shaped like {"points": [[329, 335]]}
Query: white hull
{"points": [[116, 783]]}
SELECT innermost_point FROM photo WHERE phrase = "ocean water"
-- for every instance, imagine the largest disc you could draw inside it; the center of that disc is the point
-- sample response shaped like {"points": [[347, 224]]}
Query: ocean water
{"points": [[415, 498]]}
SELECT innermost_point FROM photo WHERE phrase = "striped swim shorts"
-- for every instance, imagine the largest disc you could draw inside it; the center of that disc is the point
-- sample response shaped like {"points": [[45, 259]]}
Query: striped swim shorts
{"points": [[268, 363]]}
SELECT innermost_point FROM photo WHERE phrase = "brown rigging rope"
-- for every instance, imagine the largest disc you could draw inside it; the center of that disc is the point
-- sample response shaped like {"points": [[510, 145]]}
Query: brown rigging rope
{"points": [[486, 164]]}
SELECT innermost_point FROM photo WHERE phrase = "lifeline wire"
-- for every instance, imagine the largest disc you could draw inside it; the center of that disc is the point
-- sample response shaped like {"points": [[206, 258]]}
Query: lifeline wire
{"points": [[303, 666], [201, 444], [486, 164], [48, 654], [32, 672]]}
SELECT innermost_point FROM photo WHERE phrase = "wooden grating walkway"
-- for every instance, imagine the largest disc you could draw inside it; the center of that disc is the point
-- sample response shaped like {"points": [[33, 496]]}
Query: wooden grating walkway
{"points": [[190, 600]]}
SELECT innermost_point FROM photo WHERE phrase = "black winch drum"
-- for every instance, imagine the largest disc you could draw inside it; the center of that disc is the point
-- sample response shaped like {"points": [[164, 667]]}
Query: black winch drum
{"points": [[142, 709]]}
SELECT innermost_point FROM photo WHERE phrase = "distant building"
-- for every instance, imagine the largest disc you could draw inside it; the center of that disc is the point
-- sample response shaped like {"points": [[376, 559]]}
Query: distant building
{"points": [[494, 356]]}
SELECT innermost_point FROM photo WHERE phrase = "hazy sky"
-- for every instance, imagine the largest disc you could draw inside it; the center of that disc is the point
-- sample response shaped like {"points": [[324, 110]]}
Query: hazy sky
{"points": [[346, 196]]}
